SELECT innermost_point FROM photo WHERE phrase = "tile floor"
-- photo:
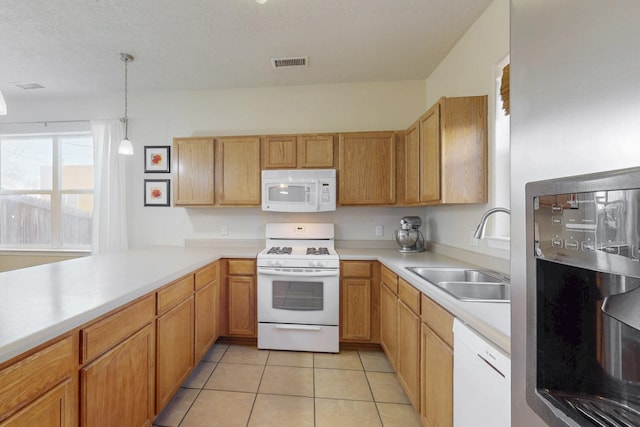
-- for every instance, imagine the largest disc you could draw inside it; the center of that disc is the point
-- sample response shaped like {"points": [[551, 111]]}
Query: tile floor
{"points": [[242, 386]]}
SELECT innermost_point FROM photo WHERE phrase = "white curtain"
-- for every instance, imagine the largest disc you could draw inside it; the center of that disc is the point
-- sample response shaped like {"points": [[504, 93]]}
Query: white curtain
{"points": [[110, 207]]}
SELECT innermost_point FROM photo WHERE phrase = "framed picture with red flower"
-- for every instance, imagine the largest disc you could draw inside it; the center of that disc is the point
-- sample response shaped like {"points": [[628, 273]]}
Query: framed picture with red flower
{"points": [[156, 192], [157, 159]]}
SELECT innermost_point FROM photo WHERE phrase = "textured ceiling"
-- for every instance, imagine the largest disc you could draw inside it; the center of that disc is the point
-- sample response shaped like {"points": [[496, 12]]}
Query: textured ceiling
{"points": [[72, 46]]}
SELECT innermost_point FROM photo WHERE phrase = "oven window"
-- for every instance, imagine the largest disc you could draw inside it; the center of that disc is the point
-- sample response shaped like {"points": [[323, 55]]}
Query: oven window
{"points": [[289, 193], [298, 296]]}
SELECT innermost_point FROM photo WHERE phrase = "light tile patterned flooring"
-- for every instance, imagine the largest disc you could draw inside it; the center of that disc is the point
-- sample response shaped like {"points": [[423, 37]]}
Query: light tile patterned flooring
{"points": [[242, 386]]}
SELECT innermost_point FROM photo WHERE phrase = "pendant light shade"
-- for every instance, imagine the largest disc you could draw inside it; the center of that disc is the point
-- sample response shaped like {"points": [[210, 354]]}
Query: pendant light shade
{"points": [[125, 146], [3, 106]]}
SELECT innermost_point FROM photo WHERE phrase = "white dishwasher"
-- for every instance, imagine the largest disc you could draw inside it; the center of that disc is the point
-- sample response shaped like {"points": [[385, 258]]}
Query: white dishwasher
{"points": [[481, 381]]}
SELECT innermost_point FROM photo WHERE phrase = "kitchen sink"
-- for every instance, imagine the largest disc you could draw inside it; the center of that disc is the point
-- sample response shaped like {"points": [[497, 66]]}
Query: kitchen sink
{"points": [[467, 284]]}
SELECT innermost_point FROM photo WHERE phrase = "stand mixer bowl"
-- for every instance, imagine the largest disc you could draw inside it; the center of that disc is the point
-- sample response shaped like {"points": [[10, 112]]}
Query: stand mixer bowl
{"points": [[410, 240]]}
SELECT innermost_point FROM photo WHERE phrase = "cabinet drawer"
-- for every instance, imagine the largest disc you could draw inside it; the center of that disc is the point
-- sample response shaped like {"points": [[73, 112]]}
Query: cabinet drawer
{"points": [[206, 275], [389, 278], [438, 319], [355, 269], [108, 332], [29, 378], [245, 267], [174, 293], [409, 295]]}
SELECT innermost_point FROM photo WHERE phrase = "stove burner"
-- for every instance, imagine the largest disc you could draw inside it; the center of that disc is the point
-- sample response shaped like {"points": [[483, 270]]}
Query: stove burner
{"points": [[285, 250], [317, 251]]}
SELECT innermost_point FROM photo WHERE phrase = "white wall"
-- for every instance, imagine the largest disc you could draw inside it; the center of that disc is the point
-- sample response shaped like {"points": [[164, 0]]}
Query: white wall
{"points": [[469, 69], [575, 109], [155, 118]]}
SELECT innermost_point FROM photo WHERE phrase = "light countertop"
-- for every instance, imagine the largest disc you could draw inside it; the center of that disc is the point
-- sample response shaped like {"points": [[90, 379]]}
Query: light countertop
{"points": [[39, 303], [493, 320]]}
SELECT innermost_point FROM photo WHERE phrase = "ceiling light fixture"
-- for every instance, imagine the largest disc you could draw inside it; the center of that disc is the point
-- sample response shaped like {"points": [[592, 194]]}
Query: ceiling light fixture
{"points": [[261, 1], [125, 147], [3, 106]]}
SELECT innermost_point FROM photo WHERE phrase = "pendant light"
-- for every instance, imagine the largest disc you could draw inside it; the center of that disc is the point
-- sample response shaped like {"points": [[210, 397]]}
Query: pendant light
{"points": [[125, 147]]}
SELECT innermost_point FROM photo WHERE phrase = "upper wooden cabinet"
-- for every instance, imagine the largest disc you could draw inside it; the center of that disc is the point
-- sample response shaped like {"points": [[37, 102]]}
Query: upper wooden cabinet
{"points": [[316, 151], [222, 172], [443, 156], [238, 177], [279, 152], [297, 151], [409, 166], [430, 140], [193, 166], [367, 168]]}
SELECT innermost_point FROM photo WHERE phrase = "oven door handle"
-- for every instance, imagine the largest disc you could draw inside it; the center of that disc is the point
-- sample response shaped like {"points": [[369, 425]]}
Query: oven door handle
{"points": [[298, 327], [286, 272]]}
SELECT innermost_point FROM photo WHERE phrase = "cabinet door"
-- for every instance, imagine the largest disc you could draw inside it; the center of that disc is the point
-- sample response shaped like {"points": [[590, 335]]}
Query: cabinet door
{"points": [[430, 154], [117, 388], [239, 171], [50, 410], [242, 305], [355, 322], [408, 359], [315, 151], [464, 149], [410, 165], [174, 350], [436, 380], [389, 324], [29, 378], [279, 152], [205, 326], [367, 170], [193, 171]]}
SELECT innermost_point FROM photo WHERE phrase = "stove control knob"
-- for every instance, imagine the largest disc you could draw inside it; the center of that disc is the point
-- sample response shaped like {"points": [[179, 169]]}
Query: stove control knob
{"points": [[320, 264], [279, 263]]}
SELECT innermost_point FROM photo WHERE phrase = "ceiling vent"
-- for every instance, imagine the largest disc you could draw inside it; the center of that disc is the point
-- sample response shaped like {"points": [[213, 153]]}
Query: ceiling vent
{"points": [[28, 86], [300, 61]]}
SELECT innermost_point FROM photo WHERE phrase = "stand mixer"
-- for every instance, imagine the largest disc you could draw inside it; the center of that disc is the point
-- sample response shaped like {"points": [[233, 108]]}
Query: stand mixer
{"points": [[409, 237]]}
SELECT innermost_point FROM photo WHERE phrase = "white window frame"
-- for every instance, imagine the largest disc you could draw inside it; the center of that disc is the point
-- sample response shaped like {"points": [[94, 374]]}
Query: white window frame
{"points": [[498, 231], [56, 193]]}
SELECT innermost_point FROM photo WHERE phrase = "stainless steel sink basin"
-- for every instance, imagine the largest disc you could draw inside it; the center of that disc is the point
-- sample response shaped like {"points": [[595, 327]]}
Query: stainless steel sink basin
{"points": [[437, 275], [478, 291], [467, 284]]}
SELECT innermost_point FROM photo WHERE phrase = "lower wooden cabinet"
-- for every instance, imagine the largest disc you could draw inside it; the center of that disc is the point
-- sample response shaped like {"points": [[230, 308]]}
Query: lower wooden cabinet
{"points": [[359, 301], [389, 315], [408, 358], [207, 285], [53, 409], [241, 298], [117, 387], [174, 350], [242, 306], [41, 389], [436, 364]]}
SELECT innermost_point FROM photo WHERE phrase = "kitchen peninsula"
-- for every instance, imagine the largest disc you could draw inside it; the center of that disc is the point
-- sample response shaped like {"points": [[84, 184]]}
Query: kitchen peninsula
{"points": [[53, 309]]}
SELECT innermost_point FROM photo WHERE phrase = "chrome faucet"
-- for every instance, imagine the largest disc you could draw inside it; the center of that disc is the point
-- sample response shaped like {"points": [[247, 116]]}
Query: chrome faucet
{"points": [[479, 233]]}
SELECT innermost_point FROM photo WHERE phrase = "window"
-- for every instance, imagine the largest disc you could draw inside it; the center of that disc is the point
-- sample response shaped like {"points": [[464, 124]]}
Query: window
{"points": [[499, 224], [46, 191]]}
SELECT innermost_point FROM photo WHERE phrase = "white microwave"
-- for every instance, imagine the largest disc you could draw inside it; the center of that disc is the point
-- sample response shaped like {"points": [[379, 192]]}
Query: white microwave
{"points": [[299, 190]]}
